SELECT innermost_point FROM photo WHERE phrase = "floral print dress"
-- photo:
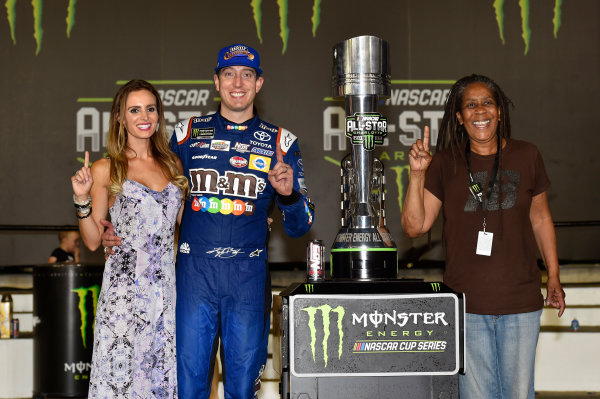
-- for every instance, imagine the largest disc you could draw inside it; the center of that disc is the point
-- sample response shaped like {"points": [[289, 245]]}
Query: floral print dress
{"points": [[134, 337]]}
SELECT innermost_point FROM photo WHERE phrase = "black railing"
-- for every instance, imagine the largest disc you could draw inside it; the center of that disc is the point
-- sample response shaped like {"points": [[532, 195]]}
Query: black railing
{"points": [[34, 227]]}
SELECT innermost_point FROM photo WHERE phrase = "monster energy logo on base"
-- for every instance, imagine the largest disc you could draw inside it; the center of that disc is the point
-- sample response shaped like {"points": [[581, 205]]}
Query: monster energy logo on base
{"points": [[376, 334], [326, 313], [83, 313], [367, 129]]}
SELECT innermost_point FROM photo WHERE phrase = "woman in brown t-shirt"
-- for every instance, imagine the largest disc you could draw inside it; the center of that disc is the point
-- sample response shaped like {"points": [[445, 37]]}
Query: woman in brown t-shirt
{"points": [[492, 190]]}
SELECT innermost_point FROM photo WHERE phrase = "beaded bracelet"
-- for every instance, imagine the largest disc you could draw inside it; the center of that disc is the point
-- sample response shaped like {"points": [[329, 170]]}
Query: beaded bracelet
{"points": [[84, 215], [84, 211], [82, 204]]}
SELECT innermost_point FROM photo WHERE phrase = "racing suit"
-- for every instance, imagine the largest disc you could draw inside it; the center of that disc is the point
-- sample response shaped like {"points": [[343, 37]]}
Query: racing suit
{"points": [[223, 285]]}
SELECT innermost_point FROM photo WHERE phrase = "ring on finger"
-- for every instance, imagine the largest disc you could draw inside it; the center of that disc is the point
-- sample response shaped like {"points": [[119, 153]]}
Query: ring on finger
{"points": [[105, 250]]}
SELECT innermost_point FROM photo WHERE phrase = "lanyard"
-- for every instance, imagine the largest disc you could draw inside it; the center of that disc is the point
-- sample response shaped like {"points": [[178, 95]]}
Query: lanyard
{"points": [[474, 187]]}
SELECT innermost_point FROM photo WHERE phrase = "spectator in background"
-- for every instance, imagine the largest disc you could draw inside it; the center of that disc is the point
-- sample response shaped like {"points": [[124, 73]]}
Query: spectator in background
{"points": [[68, 249]]}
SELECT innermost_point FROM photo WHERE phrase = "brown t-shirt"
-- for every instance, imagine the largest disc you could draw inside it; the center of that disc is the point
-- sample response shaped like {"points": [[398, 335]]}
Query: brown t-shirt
{"points": [[509, 280]]}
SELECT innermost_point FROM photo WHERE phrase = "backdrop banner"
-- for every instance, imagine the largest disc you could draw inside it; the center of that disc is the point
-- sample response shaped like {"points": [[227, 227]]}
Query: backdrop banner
{"points": [[62, 62]]}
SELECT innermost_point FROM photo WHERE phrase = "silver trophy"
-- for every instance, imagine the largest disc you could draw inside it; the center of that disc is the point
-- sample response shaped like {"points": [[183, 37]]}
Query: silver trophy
{"points": [[363, 248]]}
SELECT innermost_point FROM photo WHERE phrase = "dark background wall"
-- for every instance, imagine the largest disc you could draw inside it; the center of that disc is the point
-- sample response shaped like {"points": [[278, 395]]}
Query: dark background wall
{"points": [[56, 93]]}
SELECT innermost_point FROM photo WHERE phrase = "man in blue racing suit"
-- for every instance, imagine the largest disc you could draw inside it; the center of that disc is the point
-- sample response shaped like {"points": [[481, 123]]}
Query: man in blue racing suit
{"points": [[238, 166]]}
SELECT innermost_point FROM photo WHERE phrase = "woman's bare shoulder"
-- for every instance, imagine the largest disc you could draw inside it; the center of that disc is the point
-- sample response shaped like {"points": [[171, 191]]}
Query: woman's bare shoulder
{"points": [[101, 169]]}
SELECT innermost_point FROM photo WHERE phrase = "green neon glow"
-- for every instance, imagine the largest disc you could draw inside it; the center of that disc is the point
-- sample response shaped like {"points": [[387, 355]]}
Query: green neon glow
{"points": [[257, 14], [499, 9], [526, 35], [70, 17], [557, 16], [38, 32], [399, 172], [82, 160], [332, 160], [284, 30], [11, 16], [316, 17], [94, 100], [82, 292], [174, 82]]}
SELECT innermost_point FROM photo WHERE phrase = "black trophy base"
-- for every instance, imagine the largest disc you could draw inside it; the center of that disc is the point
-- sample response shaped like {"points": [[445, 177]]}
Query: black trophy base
{"points": [[364, 265], [408, 387]]}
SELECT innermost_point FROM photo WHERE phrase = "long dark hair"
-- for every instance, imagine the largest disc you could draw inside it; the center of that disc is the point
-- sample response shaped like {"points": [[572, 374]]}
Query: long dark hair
{"points": [[452, 134]]}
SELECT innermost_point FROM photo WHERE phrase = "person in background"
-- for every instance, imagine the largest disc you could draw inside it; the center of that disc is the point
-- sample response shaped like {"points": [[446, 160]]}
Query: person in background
{"points": [[142, 186], [492, 191], [68, 249]]}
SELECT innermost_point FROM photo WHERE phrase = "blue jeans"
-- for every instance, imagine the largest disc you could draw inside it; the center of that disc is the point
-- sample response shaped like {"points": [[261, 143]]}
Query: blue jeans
{"points": [[500, 356]]}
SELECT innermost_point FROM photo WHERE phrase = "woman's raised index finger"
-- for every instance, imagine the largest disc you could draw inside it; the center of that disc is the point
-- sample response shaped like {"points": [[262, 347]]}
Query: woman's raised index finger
{"points": [[426, 139], [86, 161]]}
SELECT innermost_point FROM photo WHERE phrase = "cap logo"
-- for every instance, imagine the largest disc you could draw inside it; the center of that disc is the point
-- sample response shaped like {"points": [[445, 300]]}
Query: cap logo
{"points": [[238, 51], [238, 54]]}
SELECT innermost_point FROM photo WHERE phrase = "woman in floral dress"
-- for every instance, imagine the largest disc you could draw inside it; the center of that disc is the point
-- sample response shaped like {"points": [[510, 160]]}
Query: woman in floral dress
{"points": [[141, 185]]}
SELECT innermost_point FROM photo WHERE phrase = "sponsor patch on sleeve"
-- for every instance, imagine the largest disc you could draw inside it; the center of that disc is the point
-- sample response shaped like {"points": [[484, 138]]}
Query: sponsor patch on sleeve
{"points": [[302, 186], [181, 131], [286, 139]]}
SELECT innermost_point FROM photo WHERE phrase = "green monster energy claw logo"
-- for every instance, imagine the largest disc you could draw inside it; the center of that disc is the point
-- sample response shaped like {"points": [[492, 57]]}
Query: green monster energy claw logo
{"points": [[284, 30], [38, 31], [435, 287], [83, 313], [367, 129], [326, 311], [525, 7], [309, 288]]}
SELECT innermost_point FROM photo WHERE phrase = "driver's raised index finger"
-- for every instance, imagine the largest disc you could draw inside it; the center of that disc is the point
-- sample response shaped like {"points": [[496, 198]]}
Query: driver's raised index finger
{"points": [[279, 153], [426, 139], [86, 162]]}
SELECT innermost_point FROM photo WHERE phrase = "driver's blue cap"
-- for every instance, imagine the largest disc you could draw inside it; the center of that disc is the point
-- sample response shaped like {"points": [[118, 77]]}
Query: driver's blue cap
{"points": [[238, 54]]}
